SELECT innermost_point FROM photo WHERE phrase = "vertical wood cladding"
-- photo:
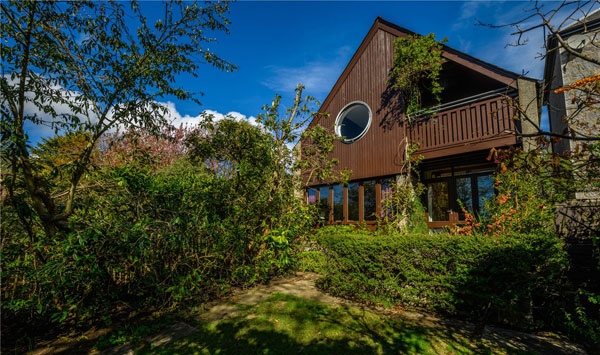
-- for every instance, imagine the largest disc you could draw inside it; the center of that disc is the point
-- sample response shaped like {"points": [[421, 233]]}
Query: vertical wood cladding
{"points": [[470, 127], [376, 153]]}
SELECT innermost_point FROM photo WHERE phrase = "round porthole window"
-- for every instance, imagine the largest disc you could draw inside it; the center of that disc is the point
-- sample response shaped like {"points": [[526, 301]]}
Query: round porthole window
{"points": [[353, 121]]}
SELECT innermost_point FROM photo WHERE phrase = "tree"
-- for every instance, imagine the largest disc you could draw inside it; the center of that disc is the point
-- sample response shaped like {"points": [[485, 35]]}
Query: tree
{"points": [[553, 19], [539, 177], [278, 171], [92, 67]]}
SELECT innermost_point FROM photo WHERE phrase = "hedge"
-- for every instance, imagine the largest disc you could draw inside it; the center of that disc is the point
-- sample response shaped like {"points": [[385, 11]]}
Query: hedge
{"points": [[514, 279]]}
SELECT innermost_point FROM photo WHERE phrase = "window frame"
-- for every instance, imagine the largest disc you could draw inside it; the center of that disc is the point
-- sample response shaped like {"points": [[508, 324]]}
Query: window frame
{"points": [[452, 195], [338, 119]]}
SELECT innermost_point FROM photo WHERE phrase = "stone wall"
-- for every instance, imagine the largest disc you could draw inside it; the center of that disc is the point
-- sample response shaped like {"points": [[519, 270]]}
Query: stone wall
{"points": [[562, 107]]}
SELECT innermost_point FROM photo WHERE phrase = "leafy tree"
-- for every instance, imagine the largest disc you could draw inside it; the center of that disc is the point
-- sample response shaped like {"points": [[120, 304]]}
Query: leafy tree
{"points": [[417, 64], [91, 67], [276, 168], [161, 149]]}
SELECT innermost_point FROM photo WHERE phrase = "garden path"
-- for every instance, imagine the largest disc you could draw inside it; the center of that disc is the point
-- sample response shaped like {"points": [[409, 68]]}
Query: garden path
{"points": [[302, 284]]}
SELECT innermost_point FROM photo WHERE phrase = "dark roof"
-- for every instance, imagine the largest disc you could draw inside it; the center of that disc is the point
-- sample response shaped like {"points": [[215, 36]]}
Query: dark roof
{"points": [[580, 23], [502, 75], [490, 66]]}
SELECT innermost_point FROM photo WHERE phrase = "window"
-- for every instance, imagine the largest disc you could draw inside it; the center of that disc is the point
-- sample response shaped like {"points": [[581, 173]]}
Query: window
{"points": [[464, 194], [437, 201], [324, 203], [312, 196], [387, 186], [446, 193], [338, 203], [353, 121], [353, 201], [369, 200], [485, 188]]}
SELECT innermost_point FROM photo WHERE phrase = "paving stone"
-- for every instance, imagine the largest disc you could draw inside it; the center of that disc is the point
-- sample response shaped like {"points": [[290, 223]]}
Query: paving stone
{"points": [[176, 331]]}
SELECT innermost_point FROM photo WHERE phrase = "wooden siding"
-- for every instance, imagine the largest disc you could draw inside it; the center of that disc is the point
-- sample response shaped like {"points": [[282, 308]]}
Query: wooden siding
{"points": [[375, 154], [379, 152], [479, 125]]}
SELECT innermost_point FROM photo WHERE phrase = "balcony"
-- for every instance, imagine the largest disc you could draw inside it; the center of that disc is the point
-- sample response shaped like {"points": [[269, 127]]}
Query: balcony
{"points": [[478, 122]]}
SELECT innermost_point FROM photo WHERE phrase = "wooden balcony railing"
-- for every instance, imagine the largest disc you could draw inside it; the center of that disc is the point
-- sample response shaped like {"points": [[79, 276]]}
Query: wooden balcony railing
{"points": [[473, 125]]}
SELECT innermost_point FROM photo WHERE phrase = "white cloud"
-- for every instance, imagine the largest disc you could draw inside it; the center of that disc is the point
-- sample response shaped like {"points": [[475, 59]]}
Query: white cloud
{"points": [[177, 119], [48, 124], [318, 76], [467, 14], [173, 116]]}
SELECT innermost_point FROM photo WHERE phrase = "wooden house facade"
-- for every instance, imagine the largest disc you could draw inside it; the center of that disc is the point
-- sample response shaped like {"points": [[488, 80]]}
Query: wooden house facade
{"points": [[454, 138]]}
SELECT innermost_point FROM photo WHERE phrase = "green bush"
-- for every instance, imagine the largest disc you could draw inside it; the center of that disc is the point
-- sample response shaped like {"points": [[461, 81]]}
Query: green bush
{"points": [[512, 279], [312, 260], [143, 237]]}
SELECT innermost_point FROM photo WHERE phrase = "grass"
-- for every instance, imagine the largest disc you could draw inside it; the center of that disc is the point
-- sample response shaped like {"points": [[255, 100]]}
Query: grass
{"points": [[284, 324]]}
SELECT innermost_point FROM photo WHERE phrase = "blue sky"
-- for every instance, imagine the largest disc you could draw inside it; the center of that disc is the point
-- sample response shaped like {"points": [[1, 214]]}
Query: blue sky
{"points": [[277, 45]]}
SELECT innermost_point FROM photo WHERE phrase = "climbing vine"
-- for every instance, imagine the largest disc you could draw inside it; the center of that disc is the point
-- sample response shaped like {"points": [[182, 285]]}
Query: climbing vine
{"points": [[417, 62]]}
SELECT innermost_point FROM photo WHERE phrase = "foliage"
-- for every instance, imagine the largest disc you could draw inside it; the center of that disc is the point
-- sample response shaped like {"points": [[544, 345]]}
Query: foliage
{"points": [[133, 332], [90, 67], [403, 211], [418, 61], [314, 143], [514, 279], [311, 260], [583, 321], [161, 149], [159, 222], [582, 314], [315, 146], [528, 186]]}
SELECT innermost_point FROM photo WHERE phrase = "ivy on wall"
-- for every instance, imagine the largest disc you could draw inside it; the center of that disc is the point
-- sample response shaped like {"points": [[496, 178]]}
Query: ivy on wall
{"points": [[417, 62]]}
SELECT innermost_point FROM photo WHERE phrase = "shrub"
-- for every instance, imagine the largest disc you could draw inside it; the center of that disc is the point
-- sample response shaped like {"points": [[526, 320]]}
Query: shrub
{"points": [[311, 260], [512, 280], [582, 311], [142, 236]]}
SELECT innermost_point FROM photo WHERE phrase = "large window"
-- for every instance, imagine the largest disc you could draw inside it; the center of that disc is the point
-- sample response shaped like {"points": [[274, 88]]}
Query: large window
{"points": [[338, 203], [369, 200], [353, 201], [353, 121], [452, 192]]}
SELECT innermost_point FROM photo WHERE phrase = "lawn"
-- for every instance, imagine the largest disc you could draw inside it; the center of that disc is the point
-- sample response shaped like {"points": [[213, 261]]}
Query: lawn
{"points": [[288, 324]]}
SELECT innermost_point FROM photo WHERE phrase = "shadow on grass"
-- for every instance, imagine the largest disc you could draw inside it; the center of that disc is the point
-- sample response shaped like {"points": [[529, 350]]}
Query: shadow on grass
{"points": [[287, 324]]}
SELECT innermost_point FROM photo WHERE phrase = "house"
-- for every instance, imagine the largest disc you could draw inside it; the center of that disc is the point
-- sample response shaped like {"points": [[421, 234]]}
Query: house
{"points": [[454, 140]]}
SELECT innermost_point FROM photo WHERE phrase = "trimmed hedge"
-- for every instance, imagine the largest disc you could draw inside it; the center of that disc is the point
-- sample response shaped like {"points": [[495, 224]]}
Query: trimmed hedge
{"points": [[513, 280]]}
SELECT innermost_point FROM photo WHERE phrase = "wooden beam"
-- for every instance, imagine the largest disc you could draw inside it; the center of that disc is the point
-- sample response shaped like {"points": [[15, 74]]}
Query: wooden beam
{"points": [[346, 204], [361, 201]]}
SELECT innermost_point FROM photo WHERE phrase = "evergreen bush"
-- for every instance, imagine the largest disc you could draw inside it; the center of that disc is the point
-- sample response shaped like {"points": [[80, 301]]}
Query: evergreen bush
{"points": [[514, 279]]}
